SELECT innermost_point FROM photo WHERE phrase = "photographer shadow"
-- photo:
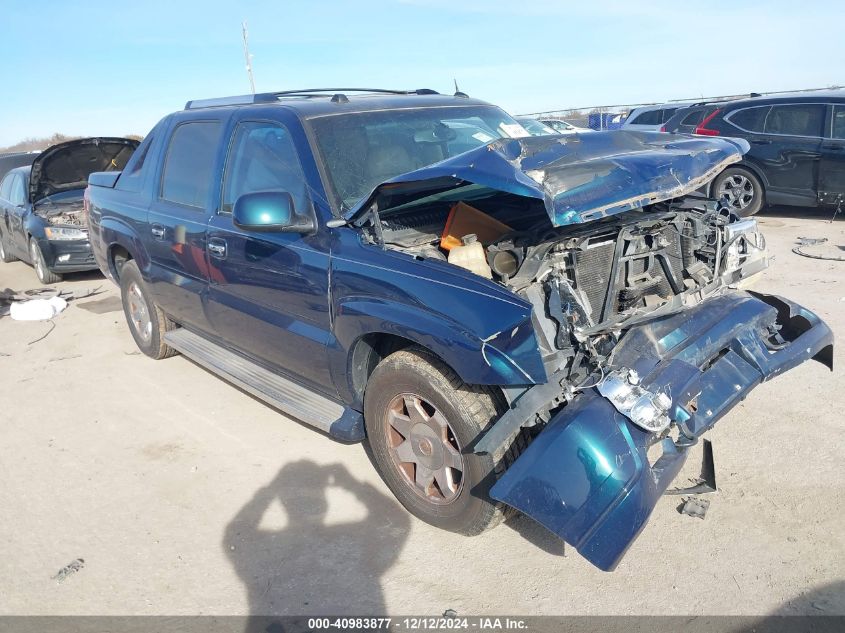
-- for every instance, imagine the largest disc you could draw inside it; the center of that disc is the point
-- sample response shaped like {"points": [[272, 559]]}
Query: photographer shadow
{"points": [[309, 567]]}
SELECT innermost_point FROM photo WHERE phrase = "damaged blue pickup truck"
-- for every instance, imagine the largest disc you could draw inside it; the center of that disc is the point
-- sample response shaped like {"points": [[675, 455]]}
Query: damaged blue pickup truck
{"points": [[545, 324]]}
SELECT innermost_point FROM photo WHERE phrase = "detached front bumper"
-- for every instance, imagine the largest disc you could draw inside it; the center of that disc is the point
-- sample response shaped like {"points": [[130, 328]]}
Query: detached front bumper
{"points": [[586, 476]]}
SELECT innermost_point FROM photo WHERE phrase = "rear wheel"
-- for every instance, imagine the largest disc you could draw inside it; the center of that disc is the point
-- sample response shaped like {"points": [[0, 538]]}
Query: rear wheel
{"points": [[742, 190], [147, 322], [420, 419], [45, 275]]}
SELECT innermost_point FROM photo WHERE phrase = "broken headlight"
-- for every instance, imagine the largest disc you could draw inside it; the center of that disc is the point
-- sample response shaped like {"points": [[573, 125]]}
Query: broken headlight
{"points": [[644, 408], [61, 233], [744, 245]]}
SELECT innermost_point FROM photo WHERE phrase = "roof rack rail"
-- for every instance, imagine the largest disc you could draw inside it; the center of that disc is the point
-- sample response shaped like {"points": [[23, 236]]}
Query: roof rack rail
{"points": [[319, 91], [262, 97], [272, 97]]}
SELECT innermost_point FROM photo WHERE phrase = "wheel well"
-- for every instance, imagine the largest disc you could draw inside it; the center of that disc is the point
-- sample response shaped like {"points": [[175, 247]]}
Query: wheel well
{"points": [[371, 349], [746, 167], [369, 352], [118, 256]]}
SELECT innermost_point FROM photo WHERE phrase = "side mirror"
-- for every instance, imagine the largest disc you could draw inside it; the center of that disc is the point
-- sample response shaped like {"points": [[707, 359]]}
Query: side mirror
{"points": [[269, 211]]}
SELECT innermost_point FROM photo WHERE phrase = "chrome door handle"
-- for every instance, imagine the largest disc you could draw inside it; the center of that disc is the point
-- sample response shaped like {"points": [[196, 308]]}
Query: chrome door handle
{"points": [[158, 231], [217, 248]]}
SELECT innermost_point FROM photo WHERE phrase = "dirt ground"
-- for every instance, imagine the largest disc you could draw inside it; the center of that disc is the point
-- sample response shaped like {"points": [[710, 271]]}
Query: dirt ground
{"points": [[183, 495]]}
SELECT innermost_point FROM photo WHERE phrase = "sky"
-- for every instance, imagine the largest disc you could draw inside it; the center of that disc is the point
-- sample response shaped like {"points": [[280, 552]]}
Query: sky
{"points": [[113, 68]]}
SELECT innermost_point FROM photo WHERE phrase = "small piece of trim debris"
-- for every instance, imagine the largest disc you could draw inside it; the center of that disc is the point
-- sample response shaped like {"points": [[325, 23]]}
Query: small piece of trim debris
{"points": [[695, 507], [46, 334], [69, 569]]}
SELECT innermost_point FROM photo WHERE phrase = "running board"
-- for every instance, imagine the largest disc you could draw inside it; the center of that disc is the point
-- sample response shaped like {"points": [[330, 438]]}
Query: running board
{"points": [[327, 415]]}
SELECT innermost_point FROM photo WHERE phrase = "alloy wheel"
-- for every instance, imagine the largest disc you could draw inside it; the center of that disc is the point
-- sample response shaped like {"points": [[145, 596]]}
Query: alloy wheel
{"points": [[139, 313], [424, 448], [738, 189], [37, 259]]}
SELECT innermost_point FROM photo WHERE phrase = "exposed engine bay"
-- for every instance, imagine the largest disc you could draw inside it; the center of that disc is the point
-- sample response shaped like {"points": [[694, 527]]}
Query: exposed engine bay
{"points": [[64, 213], [587, 283]]}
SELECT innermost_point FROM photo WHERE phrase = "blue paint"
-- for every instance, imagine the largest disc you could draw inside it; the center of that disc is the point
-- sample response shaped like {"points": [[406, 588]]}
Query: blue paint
{"points": [[563, 480], [579, 177]]}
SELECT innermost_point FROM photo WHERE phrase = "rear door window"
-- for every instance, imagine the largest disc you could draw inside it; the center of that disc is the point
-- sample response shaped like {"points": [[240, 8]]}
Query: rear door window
{"points": [[667, 114], [188, 165], [798, 119], [693, 118], [839, 121], [749, 119], [652, 117]]}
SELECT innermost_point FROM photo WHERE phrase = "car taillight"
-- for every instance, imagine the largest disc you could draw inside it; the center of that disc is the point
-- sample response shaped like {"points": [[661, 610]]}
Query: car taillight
{"points": [[662, 128], [702, 127]]}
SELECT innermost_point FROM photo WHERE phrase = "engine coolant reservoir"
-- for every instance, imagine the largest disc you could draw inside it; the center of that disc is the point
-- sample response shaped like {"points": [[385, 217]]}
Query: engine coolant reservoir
{"points": [[470, 255]]}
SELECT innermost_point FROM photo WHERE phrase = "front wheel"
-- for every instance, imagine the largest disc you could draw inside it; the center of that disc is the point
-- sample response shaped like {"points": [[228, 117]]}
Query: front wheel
{"points": [[420, 419], [147, 322], [45, 275], [742, 190]]}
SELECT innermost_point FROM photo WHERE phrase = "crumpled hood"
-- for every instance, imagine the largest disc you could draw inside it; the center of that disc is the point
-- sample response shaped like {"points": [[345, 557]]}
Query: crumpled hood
{"points": [[579, 177], [66, 166]]}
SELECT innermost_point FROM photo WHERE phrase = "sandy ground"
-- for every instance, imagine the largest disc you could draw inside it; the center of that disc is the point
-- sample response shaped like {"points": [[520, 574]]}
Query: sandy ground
{"points": [[183, 495]]}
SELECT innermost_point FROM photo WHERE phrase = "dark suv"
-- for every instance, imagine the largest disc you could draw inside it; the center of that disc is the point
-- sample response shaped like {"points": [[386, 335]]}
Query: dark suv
{"points": [[797, 154], [686, 120], [506, 319]]}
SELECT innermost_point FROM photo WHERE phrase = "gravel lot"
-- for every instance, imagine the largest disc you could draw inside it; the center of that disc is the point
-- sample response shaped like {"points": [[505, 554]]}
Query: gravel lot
{"points": [[183, 495]]}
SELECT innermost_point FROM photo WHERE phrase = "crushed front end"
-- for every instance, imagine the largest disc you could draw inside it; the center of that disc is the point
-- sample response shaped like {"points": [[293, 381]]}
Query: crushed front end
{"points": [[587, 476], [637, 287]]}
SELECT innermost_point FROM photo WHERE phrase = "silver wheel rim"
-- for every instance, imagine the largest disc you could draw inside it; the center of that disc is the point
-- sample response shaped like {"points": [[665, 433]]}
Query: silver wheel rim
{"points": [[37, 260], [424, 449], [139, 314], [738, 189]]}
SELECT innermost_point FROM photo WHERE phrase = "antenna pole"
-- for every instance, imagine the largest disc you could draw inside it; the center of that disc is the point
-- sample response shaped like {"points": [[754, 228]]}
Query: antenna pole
{"points": [[248, 57]]}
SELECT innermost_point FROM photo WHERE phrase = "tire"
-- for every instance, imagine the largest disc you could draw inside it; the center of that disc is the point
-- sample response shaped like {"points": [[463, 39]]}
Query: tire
{"points": [[44, 274], [5, 256], [146, 321], [456, 499], [743, 189]]}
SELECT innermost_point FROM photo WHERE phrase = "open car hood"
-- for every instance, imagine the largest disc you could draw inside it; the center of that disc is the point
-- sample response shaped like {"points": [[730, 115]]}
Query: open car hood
{"points": [[579, 177], [66, 166]]}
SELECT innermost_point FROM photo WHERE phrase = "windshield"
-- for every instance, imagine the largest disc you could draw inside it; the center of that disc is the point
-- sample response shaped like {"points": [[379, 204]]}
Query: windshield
{"points": [[535, 127], [362, 150]]}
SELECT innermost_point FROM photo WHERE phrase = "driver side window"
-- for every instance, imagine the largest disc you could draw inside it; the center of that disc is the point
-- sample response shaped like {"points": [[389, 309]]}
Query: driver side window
{"points": [[262, 157]]}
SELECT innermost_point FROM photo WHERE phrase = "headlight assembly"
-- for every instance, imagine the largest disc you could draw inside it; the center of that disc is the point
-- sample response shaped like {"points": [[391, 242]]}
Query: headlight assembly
{"points": [[63, 233]]}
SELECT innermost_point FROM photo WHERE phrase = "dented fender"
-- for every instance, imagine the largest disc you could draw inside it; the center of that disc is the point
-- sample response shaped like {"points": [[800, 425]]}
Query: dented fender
{"points": [[586, 476]]}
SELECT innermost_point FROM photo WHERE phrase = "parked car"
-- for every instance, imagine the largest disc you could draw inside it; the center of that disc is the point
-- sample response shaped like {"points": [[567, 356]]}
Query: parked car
{"points": [[562, 127], [650, 117], [515, 324], [41, 205], [535, 127], [797, 154], [685, 121]]}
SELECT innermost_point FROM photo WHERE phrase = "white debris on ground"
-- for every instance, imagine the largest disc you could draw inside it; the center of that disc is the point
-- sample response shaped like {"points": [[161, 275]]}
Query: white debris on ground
{"points": [[37, 309]]}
